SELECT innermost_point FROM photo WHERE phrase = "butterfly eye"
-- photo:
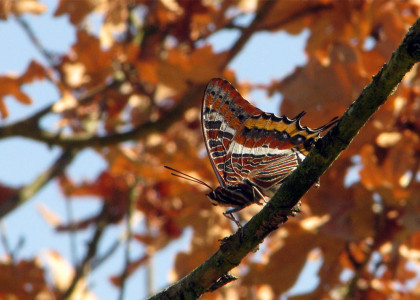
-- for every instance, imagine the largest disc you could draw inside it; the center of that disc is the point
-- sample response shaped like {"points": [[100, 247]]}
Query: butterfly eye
{"points": [[212, 197]]}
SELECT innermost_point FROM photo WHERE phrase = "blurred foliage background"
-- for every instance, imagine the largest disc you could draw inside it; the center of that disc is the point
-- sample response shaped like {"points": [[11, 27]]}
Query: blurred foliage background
{"points": [[132, 92]]}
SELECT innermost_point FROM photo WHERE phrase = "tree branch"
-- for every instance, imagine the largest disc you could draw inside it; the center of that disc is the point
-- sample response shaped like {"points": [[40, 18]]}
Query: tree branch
{"points": [[234, 248], [27, 192], [249, 31], [30, 127]]}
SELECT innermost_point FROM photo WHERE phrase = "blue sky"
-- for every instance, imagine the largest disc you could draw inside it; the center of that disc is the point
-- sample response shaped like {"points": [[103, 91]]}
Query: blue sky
{"points": [[22, 160]]}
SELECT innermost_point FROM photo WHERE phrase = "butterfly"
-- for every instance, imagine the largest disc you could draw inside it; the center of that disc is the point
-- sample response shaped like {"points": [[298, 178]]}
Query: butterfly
{"points": [[251, 151]]}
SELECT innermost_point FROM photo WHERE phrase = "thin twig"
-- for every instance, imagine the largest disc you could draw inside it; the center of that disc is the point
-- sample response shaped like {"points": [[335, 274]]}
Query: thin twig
{"points": [[97, 261], [72, 232], [5, 243], [85, 266], [37, 43], [150, 286], [134, 194]]}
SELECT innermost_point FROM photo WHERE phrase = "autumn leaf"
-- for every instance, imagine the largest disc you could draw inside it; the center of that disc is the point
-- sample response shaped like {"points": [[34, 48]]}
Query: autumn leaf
{"points": [[12, 84], [23, 280], [20, 7]]}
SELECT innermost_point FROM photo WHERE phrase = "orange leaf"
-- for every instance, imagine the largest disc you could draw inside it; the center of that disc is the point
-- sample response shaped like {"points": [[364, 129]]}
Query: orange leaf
{"points": [[77, 11], [281, 259], [33, 71], [12, 85], [4, 112], [24, 280]]}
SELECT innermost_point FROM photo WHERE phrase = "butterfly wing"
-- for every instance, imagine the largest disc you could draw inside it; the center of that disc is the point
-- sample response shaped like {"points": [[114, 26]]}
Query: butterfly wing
{"points": [[246, 144], [223, 114], [273, 147]]}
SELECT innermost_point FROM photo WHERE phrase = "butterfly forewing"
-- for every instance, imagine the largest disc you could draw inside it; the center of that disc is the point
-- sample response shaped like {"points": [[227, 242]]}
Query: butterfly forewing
{"points": [[223, 114]]}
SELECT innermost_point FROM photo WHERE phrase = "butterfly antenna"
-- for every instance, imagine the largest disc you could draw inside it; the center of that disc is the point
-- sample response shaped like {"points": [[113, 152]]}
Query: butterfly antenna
{"points": [[187, 177]]}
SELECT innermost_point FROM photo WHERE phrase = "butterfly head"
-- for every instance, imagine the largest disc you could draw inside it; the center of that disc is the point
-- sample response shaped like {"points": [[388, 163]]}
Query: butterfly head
{"points": [[215, 195], [233, 195], [238, 195]]}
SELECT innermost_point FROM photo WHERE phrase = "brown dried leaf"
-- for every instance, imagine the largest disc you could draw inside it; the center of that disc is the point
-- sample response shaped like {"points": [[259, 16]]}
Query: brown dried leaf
{"points": [[386, 168], [24, 280], [325, 88], [4, 112], [414, 241], [34, 71], [94, 62], [209, 227], [294, 16], [12, 85], [148, 70], [62, 275], [181, 68], [205, 64], [19, 7], [77, 10], [281, 259], [370, 175], [67, 101], [362, 216], [62, 270], [51, 217], [28, 6]]}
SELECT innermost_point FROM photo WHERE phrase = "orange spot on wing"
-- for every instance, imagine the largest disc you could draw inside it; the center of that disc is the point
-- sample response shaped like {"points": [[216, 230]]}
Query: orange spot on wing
{"points": [[235, 123], [233, 94], [223, 109], [216, 104], [208, 100]]}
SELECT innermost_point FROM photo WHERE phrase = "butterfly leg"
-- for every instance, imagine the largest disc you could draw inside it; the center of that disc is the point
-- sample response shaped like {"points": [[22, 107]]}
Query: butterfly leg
{"points": [[229, 214], [258, 195]]}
